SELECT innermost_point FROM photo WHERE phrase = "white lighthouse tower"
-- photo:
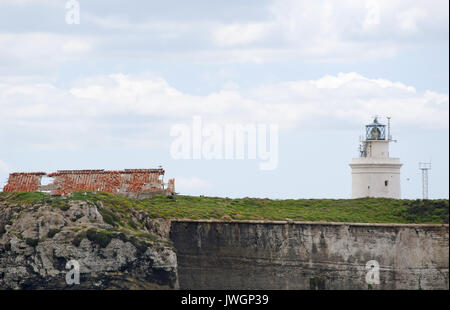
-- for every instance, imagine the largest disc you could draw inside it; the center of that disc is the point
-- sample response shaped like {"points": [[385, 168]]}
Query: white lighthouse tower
{"points": [[374, 173]]}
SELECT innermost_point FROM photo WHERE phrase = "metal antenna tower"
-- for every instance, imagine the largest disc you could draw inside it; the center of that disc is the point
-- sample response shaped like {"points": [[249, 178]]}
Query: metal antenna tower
{"points": [[425, 167]]}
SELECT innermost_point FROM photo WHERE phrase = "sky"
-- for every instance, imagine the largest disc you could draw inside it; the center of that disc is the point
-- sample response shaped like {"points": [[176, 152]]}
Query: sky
{"points": [[107, 90]]}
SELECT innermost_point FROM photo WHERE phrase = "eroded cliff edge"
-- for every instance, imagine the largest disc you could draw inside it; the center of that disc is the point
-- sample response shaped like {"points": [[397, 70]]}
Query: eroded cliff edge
{"points": [[290, 255], [115, 250], [123, 243]]}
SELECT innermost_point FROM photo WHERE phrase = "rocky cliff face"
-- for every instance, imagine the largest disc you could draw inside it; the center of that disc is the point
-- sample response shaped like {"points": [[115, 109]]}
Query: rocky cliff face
{"points": [[113, 249], [119, 244], [290, 255]]}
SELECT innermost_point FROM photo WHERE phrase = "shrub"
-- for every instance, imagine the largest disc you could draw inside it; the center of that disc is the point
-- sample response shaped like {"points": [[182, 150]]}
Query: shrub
{"points": [[64, 207], [148, 236], [32, 242], [141, 246], [77, 240], [425, 211], [109, 217], [102, 238], [2, 230], [132, 224], [78, 216], [52, 232]]}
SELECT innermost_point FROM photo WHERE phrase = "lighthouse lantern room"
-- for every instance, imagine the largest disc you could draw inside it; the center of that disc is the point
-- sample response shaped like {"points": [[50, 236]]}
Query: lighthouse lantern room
{"points": [[374, 173]]}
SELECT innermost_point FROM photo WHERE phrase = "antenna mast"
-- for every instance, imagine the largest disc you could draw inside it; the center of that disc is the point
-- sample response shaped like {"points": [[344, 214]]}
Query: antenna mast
{"points": [[425, 167]]}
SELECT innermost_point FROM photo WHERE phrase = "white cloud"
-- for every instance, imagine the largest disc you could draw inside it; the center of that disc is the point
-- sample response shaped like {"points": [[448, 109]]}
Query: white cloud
{"points": [[342, 97], [162, 29], [326, 30], [116, 109], [352, 97], [238, 34], [42, 48], [322, 30], [76, 46], [300, 20], [28, 2], [408, 20]]}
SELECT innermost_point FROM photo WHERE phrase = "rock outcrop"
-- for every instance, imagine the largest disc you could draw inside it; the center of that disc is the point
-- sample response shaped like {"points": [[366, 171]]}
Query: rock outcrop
{"points": [[37, 241]]}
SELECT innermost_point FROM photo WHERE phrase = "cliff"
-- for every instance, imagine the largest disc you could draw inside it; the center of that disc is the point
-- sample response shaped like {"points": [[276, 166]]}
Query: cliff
{"points": [[115, 247], [172, 242], [289, 255]]}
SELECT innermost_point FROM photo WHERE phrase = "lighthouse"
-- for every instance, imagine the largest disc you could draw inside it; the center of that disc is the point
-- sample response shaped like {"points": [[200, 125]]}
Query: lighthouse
{"points": [[374, 172]]}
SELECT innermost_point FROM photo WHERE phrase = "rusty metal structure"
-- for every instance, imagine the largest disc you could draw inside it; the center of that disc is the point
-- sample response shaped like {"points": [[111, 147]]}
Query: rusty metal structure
{"points": [[133, 183]]}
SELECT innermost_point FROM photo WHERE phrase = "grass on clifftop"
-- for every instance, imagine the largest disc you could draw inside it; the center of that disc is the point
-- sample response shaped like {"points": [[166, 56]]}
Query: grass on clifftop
{"points": [[367, 210]]}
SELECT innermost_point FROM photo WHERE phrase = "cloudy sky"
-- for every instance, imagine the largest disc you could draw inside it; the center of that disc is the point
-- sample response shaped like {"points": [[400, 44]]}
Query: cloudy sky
{"points": [[106, 92]]}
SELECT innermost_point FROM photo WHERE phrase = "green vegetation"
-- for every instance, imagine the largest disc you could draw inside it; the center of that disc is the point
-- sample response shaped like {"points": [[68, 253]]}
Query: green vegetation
{"points": [[100, 237], [77, 240], [104, 237], [24, 197], [52, 232], [32, 242], [65, 207], [115, 209], [109, 217], [421, 211], [132, 224]]}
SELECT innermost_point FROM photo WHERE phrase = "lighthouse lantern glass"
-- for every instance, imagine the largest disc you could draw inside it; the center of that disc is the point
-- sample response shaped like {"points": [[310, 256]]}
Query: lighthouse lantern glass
{"points": [[375, 131]]}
